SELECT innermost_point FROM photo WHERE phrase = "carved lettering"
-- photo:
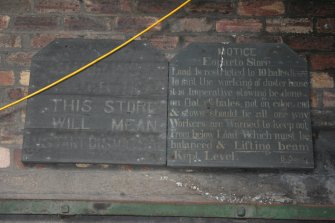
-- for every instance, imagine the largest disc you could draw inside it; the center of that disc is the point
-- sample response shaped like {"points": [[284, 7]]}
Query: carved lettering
{"points": [[238, 106]]}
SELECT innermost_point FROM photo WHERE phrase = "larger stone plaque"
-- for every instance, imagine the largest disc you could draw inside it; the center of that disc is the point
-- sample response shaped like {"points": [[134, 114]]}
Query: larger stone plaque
{"points": [[113, 112], [239, 106]]}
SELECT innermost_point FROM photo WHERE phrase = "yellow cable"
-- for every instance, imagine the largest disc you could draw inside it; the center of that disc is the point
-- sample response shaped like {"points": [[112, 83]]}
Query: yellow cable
{"points": [[96, 60]]}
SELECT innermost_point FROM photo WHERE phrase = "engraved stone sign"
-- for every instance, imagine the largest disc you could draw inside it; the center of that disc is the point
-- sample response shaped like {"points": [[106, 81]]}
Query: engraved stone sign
{"points": [[239, 106], [113, 112]]}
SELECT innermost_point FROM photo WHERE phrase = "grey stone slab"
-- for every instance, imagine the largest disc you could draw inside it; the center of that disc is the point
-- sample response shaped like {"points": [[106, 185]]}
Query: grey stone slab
{"points": [[96, 113], [239, 106], [113, 112], [93, 146]]}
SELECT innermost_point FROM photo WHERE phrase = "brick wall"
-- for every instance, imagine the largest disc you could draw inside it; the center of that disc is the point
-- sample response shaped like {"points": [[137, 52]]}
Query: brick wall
{"points": [[307, 26]]}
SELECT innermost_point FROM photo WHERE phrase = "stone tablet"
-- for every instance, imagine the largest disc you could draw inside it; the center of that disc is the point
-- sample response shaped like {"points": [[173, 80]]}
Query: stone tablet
{"points": [[114, 112], [239, 106]]}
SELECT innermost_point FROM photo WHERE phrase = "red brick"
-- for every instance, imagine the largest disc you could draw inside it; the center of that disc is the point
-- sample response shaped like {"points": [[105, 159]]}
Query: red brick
{"points": [[8, 116], [4, 157], [7, 78], [206, 6], [24, 77], [4, 21], [41, 40], [104, 36], [259, 39], [287, 25], [314, 99], [36, 22], [16, 93], [191, 25], [322, 62], [165, 42], [309, 42], [207, 39], [260, 8], [19, 58], [46, 6], [17, 159], [302, 8], [107, 6], [157, 6], [329, 99], [10, 41], [326, 25], [15, 6], [238, 25], [322, 80], [136, 23], [84, 23], [11, 134]]}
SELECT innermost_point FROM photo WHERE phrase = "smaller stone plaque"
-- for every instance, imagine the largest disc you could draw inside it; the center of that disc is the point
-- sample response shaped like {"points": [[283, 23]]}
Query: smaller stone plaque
{"points": [[114, 112], [239, 106]]}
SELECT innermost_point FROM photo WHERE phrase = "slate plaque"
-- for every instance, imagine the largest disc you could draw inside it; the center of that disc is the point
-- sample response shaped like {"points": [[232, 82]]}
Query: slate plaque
{"points": [[113, 112], [239, 106]]}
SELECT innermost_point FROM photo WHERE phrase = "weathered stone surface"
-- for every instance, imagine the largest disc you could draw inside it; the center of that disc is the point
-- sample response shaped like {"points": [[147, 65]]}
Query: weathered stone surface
{"points": [[113, 112], [241, 105]]}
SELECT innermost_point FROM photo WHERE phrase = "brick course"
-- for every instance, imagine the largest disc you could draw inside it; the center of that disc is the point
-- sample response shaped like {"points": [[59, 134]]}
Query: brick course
{"points": [[238, 25], [326, 25], [287, 25], [107, 6], [84, 23], [7, 78], [191, 25], [260, 8], [301, 8], [31, 23], [10, 41], [20, 58], [129, 24], [329, 99], [165, 42], [311, 42], [157, 6], [322, 61], [4, 21], [28, 25], [222, 7], [47, 6], [24, 77], [15, 6], [322, 80]]}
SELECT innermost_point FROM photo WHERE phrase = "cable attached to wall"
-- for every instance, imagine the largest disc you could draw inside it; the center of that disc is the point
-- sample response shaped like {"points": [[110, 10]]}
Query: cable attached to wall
{"points": [[97, 59]]}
